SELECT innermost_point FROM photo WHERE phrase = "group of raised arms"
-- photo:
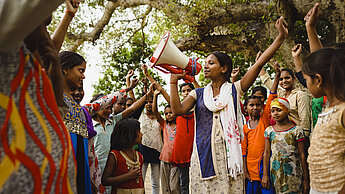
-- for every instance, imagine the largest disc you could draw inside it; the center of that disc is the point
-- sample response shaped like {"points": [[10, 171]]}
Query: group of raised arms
{"points": [[207, 140]]}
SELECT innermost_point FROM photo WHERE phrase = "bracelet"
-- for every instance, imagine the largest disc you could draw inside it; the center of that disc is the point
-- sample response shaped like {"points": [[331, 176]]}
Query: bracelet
{"points": [[173, 82], [70, 13]]}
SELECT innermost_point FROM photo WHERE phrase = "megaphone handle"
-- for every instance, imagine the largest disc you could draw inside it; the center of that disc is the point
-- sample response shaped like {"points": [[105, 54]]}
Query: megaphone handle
{"points": [[188, 79]]}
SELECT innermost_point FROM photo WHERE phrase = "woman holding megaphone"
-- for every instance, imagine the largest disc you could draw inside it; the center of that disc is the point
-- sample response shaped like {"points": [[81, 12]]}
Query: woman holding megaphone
{"points": [[216, 163]]}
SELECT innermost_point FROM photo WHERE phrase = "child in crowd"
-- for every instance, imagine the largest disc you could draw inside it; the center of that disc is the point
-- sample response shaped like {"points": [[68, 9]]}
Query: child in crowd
{"points": [[286, 141], [169, 173], [152, 144], [104, 124], [253, 144], [124, 164], [183, 146], [95, 170], [323, 70]]}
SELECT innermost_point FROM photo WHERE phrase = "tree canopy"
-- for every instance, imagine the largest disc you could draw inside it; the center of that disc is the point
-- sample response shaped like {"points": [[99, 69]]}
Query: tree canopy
{"points": [[127, 30]]}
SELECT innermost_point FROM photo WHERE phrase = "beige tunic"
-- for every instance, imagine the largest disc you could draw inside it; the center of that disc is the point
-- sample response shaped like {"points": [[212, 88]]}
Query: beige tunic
{"points": [[327, 151]]}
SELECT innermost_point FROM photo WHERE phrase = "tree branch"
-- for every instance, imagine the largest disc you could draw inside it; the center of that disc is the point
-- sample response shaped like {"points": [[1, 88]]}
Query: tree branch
{"points": [[97, 30]]}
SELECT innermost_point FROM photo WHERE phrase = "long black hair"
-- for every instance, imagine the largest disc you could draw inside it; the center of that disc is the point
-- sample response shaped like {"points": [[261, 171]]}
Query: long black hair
{"points": [[330, 64], [224, 60], [70, 59], [124, 134]]}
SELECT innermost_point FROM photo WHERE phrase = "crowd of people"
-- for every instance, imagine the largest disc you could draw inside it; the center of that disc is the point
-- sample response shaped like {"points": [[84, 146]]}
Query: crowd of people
{"points": [[207, 142]]}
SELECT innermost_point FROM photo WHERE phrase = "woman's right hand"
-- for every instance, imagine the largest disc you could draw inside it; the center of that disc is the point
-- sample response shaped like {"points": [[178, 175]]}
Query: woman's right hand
{"points": [[265, 182], [176, 77], [134, 173]]}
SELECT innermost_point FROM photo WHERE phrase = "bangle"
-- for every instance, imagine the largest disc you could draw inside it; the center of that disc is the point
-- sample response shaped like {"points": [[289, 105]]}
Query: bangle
{"points": [[70, 13], [173, 82]]}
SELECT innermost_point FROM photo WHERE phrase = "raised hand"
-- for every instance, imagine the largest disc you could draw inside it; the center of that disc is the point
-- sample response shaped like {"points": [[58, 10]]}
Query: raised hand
{"points": [[72, 6], [312, 15], [144, 68], [276, 67], [134, 82], [296, 50], [157, 92], [130, 74], [282, 26]]}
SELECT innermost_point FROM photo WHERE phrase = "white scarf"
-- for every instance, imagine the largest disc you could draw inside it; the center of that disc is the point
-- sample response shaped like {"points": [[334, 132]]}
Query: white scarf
{"points": [[232, 133]]}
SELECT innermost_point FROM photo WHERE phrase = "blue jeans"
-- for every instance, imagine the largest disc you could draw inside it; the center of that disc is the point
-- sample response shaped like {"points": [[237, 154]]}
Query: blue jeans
{"points": [[155, 174]]}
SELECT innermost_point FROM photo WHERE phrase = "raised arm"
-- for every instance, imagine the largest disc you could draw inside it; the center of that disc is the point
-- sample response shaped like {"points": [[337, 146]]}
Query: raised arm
{"points": [[20, 18], [155, 106], [136, 105], [311, 18], [39, 42], [273, 94], [158, 86], [296, 55], [109, 99], [175, 103], [249, 78], [128, 83], [60, 32], [276, 79]]}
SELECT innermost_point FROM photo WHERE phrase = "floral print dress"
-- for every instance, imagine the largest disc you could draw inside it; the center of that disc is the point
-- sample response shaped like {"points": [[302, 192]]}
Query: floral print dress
{"points": [[285, 166]]}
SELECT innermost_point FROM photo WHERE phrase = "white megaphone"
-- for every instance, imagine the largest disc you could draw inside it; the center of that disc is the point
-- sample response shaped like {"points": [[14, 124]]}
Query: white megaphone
{"points": [[167, 54]]}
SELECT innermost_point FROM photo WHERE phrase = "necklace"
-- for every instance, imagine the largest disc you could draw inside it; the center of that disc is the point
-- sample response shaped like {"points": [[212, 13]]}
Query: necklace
{"points": [[324, 117], [130, 163]]}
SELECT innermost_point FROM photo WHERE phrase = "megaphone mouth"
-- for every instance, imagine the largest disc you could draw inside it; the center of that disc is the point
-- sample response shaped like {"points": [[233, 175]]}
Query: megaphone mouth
{"points": [[160, 48]]}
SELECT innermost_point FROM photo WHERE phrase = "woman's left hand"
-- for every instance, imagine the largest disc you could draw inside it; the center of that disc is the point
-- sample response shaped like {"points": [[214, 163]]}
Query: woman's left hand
{"points": [[72, 6], [176, 77]]}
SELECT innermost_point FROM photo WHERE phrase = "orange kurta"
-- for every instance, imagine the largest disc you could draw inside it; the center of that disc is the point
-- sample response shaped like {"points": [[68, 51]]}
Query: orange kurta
{"points": [[253, 144]]}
